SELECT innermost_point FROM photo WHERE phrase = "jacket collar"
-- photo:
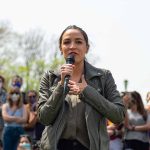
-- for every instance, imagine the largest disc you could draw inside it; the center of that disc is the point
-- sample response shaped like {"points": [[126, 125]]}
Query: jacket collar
{"points": [[91, 71]]}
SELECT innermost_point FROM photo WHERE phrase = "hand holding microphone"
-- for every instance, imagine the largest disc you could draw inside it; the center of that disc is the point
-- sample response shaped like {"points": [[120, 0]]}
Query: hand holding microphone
{"points": [[66, 72]]}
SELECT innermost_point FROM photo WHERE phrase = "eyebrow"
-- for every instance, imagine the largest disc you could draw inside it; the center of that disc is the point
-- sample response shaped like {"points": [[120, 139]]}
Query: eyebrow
{"points": [[75, 39]]}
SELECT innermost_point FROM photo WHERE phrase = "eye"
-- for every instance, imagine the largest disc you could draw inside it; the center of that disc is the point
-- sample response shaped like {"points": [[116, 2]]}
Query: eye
{"points": [[79, 42], [66, 42]]}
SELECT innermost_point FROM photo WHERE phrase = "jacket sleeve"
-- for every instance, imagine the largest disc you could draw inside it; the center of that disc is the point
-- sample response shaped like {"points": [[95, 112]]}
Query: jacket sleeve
{"points": [[111, 106], [50, 100]]}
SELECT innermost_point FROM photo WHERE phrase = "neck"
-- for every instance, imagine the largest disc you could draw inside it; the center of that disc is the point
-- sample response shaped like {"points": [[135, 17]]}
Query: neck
{"points": [[78, 71]]}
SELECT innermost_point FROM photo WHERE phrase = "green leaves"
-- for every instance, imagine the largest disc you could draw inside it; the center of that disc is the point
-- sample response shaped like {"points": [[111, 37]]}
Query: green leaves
{"points": [[28, 55]]}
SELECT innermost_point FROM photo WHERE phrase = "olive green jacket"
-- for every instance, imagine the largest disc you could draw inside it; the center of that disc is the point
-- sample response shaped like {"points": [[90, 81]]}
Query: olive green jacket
{"points": [[102, 101]]}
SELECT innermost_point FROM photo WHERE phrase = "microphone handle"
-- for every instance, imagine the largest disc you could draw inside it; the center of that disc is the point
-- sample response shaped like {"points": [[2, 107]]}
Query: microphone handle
{"points": [[66, 80]]}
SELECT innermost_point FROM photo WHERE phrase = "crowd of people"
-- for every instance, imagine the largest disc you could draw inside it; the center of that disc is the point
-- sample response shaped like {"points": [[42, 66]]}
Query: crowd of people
{"points": [[18, 117], [20, 128], [134, 132]]}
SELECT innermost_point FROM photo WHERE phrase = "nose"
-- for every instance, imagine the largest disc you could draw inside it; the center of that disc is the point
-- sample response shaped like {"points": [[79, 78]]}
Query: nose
{"points": [[72, 45]]}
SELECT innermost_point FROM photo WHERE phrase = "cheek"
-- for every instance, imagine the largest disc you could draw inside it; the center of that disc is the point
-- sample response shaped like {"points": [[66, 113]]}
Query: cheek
{"points": [[64, 53]]}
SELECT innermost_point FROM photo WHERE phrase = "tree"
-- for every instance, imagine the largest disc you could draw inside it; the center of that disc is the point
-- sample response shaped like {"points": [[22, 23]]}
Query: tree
{"points": [[28, 54], [36, 47]]}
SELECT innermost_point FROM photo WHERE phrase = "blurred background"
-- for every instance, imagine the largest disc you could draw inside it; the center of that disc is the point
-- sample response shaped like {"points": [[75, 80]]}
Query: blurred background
{"points": [[118, 30]]}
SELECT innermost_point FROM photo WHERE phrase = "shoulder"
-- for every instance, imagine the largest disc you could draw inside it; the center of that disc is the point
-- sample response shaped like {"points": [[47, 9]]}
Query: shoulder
{"points": [[49, 74], [27, 106], [104, 71], [97, 69], [101, 71], [48, 79], [5, 106], [4, 91]]}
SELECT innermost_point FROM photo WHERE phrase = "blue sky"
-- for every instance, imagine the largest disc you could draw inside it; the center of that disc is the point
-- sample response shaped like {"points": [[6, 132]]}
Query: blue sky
{"points": [[119, 31]]}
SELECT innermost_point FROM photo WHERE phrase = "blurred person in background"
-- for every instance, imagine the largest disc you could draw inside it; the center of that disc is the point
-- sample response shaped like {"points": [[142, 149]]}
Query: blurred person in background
{"points": [[126, 96], [31, 99], [115, 132], [33, 127], [15, 115], [25, 142], [17, 81], [137, 124], [3, 92], [147, 106], [3, 96]]}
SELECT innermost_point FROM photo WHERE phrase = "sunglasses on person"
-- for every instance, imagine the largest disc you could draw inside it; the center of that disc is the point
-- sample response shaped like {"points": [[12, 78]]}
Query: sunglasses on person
{"points": [[32, 96], [14, 93]]}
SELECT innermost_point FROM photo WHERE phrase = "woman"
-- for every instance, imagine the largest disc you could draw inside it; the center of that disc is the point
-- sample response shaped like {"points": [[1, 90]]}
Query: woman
{"points": [[32, 113], [115, 132], [137, 124], [25, 142], [147, 106], [14, 115], [33, 127], [77, 120], [3, 96]]}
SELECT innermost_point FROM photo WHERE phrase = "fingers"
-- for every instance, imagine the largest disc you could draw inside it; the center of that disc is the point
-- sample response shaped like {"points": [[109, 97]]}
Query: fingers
{"points": [[77, 88], [66, 69], [74, 87]]}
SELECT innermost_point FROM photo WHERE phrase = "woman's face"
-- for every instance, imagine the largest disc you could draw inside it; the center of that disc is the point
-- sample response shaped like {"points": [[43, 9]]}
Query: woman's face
{"points": [[24, 140], [132, 104], [32, 97], [73, 42], [15, 96]]}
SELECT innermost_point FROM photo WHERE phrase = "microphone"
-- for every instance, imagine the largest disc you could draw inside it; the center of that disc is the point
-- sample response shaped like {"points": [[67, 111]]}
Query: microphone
{"points": [[69, 60]]}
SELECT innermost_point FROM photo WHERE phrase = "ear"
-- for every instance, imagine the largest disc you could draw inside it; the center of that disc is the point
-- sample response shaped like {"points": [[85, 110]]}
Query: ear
{"points": [[87, 48]]}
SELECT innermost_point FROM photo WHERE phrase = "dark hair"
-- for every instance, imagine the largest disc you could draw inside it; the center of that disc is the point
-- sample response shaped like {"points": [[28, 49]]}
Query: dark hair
{"points": [[27, 136], [137, 99], [2, 78], [124, 93], [77, 28], [147, 94], [30, 91], [18, 78]]}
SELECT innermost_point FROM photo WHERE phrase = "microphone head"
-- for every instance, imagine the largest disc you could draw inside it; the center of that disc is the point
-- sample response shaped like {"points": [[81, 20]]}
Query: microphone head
{"points": [[70, 59]]}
